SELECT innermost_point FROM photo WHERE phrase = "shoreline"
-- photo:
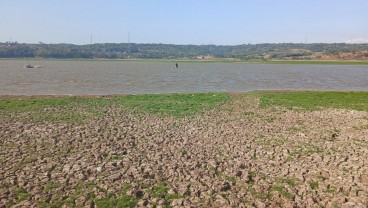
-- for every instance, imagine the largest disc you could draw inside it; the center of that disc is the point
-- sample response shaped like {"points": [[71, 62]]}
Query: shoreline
{"points": [[214, 60], [174, 93]]}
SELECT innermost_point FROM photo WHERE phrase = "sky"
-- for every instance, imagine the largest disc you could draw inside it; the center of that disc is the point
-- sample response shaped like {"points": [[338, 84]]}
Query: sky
{"points": [[219, 22]]}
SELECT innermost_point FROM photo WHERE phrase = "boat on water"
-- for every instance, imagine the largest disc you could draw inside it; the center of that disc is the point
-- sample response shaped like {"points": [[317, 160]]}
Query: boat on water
{"points": [[29, 66]]}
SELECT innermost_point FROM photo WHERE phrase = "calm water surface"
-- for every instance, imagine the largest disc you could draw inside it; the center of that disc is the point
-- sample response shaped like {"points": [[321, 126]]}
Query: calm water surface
{"points": [[118, 77]]}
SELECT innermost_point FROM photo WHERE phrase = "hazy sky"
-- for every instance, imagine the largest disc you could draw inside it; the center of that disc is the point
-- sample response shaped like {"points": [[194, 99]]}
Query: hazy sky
{"points": [[220, 22]]}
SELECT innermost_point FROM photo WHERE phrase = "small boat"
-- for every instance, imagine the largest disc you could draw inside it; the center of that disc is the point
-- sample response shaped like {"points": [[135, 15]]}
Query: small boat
{"points": [[29, 66]]}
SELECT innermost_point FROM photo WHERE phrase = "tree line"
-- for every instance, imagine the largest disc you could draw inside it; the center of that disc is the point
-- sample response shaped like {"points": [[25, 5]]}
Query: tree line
{"points": [[171, 51]]}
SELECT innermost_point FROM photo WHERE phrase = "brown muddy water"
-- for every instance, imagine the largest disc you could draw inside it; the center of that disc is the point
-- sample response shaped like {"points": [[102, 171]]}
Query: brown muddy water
{"points": [[122, 77]]}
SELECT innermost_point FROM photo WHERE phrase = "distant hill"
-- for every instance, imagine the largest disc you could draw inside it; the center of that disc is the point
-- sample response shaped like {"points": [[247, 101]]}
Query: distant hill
{"points": [[267, 51]]}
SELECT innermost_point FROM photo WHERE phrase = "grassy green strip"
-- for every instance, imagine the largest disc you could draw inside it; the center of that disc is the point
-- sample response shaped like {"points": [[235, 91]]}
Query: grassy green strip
{"points": [[177, 105], [314, 100], [77, 109], [50, 109], [29, 104]]}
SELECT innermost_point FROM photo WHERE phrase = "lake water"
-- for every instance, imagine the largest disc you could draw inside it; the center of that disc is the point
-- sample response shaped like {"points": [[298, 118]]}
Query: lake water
{"points": [[124, 77]]}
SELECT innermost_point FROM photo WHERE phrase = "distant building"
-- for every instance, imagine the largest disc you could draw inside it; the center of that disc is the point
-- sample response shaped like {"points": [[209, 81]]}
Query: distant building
{"points": [[205, 57]]}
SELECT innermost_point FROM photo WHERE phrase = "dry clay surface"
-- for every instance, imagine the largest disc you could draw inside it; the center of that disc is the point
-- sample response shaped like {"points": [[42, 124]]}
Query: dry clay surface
{"points": [[236, 156]]}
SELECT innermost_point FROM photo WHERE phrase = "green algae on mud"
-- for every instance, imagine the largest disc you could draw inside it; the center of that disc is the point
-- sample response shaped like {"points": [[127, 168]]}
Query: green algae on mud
{"points": [[314, 100], [177, 105], [76, 109]]}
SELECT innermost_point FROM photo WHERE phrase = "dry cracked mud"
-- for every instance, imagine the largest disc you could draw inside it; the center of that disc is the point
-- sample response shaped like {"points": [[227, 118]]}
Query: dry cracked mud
{"points": [[236, 156]]}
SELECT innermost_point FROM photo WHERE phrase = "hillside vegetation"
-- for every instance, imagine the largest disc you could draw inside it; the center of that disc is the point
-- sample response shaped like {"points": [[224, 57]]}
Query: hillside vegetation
{"points": [[282, 51]]}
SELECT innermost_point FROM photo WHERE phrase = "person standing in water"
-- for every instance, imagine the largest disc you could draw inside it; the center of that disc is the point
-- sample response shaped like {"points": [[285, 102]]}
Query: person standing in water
{"points": [[176, 66]]}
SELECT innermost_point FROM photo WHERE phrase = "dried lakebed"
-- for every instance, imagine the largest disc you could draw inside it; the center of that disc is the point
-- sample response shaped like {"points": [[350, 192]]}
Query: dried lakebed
{"points": [[236, 155]]}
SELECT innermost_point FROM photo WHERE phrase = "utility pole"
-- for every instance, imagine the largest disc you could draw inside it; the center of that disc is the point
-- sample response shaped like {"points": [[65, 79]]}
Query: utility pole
{"points": [[91, 40]]}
